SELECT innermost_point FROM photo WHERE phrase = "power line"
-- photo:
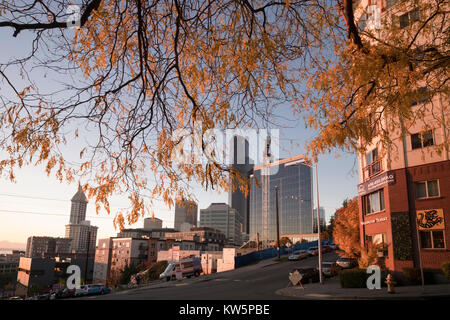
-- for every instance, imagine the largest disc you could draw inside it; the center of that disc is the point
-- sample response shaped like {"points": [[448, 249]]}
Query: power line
{"points": [[66, 200], [48, 214], [54, 214], [31, 197]]}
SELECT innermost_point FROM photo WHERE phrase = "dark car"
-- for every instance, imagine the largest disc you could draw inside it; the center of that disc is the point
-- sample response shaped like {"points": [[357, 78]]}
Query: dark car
{"points": [[45, 296], [308, 275], [326, 248], [65, 293]]}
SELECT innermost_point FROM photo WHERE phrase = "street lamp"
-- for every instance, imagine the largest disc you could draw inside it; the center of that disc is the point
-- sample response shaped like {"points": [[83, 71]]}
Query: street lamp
{"points": [[319, 246]]}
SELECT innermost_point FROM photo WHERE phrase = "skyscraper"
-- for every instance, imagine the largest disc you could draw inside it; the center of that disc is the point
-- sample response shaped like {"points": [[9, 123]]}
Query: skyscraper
{"points": [[185, 213], [323, 223], [243, 164], [294, 182], [83, 235]]}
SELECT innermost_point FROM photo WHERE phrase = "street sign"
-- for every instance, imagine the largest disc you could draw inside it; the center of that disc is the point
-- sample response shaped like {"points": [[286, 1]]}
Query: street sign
{"points": [[295, 277]]}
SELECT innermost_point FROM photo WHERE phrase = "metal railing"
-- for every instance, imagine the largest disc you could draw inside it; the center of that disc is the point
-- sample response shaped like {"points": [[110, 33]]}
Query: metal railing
{"points": [[372, 170]]}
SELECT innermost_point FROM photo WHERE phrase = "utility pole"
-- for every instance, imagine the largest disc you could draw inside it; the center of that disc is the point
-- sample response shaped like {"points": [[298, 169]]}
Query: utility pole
{"points": [[418, 251], [319, 242], [87, 257], [278, 223]]}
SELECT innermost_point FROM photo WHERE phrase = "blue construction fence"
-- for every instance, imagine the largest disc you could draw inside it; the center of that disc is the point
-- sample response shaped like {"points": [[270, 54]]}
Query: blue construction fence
{"points": [[244, 260]]}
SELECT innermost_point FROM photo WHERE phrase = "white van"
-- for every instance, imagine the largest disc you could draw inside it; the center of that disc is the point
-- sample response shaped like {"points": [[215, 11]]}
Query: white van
{"points": [[189, 267]]}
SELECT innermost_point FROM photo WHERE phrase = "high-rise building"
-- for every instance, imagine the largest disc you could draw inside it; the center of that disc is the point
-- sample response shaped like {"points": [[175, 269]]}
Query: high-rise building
{"points": [[79, 206], [83, 235], [405, 184], [185, 213], [323, 223], [294, 182], [48, 247], [222, 217], [243, 164]]}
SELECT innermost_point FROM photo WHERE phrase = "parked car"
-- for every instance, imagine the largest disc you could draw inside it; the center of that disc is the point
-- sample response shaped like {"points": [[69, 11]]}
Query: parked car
{"points": [[83, 290], [105, 290], [333, 246], [189, 267], [15, 298], [312, 251], [308, 275], [94, 289], [45, 296], [346, 262], [298, 255], [329, 268], [326, 248], [65, 293]]}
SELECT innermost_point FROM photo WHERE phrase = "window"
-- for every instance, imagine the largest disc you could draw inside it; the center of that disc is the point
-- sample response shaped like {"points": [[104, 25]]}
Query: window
{"points": [[422, 140], [408, 18], [432, 239], [374, 202], [372, 156], [426, 189], [422, 92]]}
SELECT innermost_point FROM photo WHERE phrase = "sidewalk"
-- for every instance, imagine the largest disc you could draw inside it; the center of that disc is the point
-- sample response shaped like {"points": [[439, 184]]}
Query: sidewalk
{"points": [[331, 290]]}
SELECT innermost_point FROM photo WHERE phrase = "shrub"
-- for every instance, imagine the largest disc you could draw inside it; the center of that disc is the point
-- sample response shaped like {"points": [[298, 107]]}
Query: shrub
{"points": [[446, 269], [414, 278], [127, 272], [357, 278], [353, 278], [156, 269]]}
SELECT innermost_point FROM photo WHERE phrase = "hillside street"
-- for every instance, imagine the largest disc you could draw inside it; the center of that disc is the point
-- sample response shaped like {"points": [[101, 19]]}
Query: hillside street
{"points": [[253, 282]]}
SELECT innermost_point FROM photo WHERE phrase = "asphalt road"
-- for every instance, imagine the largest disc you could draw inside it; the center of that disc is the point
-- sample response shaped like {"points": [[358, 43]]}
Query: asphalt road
{"points": [[254, 282]]}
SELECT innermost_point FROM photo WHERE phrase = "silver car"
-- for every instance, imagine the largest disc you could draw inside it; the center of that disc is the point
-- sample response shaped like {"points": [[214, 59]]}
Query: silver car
{"points": [[346, 262], [329, 268], [298, 255]]}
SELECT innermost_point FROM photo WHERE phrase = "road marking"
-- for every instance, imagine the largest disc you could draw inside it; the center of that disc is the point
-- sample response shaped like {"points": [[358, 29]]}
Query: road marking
{"points": [[181, 284]]}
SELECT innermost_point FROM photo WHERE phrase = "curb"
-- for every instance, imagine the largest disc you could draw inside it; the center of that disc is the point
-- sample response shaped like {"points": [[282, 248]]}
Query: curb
{"points": [[319, 296]]}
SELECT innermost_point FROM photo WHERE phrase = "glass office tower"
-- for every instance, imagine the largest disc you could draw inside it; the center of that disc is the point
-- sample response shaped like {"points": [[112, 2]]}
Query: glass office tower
{"points": [[294, 182]]}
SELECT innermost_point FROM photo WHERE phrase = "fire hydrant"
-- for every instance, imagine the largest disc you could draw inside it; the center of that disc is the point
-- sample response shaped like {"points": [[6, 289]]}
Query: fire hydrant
{"points": [[390, 284]]}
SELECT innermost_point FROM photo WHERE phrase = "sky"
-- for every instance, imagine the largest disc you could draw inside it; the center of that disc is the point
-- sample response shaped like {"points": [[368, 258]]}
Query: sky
{"points": [[38, 205]]}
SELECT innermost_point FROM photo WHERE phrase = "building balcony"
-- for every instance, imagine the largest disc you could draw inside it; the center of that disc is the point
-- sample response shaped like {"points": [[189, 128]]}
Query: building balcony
{"points": [[372, 170]]}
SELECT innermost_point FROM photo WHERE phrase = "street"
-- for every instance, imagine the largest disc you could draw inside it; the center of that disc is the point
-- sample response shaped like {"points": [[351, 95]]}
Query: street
{"points": [[253, 282]]}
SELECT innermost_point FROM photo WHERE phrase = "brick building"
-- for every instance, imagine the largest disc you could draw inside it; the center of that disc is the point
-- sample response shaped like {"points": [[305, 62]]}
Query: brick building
{"points": [[404, 190]]}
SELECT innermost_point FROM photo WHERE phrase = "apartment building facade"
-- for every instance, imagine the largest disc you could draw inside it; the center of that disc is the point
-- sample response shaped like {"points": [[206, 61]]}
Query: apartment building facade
{"points": [[404, 190], [222, 217]]}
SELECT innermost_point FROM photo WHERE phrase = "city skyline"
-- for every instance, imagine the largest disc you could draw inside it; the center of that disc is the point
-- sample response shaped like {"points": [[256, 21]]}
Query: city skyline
{"points": [[56, 210]]}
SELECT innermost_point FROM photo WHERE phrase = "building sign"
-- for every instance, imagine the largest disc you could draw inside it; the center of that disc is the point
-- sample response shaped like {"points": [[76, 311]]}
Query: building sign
{"points": [[430, 219], [386, 178], [363, 223]]}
